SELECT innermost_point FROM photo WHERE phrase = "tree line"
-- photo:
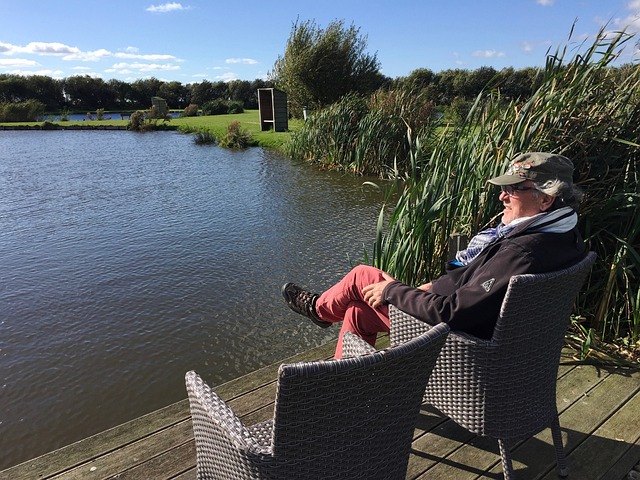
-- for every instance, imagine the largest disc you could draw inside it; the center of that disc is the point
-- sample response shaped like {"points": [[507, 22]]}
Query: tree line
{"points": [[83, 92]]}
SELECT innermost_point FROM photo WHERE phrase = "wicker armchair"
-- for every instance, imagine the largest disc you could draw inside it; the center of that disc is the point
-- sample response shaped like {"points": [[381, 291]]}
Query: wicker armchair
{"points": [[336, 419], [505, 387]]}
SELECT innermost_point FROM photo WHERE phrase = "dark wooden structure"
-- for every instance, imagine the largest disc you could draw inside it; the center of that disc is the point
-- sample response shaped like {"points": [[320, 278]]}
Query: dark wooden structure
{"points": [[598, 407], [274, 114]]}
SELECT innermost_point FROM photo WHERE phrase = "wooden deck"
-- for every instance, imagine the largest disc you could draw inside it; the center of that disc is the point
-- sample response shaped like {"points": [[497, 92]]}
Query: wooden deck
{"points": [[600, 418]]}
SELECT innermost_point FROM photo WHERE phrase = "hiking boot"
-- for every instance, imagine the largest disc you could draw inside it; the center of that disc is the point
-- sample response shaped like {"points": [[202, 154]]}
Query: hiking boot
{"points": [[303, 303]]}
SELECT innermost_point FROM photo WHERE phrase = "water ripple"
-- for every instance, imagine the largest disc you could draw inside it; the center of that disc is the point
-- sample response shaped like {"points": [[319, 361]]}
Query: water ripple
{"points": [[126, 260]]}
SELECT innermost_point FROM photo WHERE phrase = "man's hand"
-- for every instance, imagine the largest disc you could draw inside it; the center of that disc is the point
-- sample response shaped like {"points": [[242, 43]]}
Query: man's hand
{"points": [[373, 293]]}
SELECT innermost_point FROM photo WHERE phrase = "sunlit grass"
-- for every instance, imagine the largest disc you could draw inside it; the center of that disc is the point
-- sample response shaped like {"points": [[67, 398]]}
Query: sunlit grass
{"points": [[216, 125]]}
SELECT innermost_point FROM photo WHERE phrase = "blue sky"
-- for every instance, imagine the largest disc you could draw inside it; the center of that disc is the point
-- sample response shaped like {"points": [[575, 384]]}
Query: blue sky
{"points": [[193, 40]]}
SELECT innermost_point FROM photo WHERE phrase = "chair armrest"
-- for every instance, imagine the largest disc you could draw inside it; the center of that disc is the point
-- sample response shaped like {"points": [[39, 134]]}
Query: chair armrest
{"points": [[354, 346], [404, 327], [209, 410]]}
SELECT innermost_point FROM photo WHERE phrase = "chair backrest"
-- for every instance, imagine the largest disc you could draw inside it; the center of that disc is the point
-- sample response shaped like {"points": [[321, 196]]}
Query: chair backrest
{"points": [[524, 352], [538, 306], [354, 417]]}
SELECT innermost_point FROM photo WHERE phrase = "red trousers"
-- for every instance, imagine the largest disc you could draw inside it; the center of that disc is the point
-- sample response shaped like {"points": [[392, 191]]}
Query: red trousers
{"points": [[345, 303]]}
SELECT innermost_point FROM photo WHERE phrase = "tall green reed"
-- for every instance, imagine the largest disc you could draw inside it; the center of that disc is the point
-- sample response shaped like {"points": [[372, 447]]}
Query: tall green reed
{"points": [[360, 135], [581, 108]]}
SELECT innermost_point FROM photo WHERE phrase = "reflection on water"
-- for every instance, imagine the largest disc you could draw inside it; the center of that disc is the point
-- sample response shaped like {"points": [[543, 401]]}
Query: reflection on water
{"points": [[128, 259]]}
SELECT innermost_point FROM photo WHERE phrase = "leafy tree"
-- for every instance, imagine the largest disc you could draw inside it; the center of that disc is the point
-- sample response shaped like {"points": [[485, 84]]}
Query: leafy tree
{"points": [[320, 66], [207, 91], [418, 79], [46, 90], [477, 80], [143, 90], [13, 88], [176, 94], [122, 94], [240, 91], [449, 83], [87, 93], [518, 84]]}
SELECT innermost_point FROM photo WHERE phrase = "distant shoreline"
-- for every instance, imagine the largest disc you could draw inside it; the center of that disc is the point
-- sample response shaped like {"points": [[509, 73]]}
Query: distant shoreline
{"points": [[71, 127]]}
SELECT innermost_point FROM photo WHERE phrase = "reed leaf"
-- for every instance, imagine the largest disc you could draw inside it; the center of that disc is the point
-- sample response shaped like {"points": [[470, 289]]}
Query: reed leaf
{"points": [[581, 108]]}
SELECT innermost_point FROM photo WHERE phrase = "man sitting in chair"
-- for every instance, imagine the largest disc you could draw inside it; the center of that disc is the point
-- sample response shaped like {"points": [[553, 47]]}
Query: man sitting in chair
{"points": [[537, 234]]}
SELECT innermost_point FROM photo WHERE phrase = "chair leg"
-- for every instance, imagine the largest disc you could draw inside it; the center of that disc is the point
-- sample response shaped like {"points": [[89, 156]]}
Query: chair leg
{"points": [[561, 459], [507, 464]]}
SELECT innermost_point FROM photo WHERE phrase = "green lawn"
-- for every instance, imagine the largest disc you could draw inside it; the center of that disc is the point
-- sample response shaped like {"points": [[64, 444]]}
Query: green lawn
{"points": [[249, 120], [215, 124]]}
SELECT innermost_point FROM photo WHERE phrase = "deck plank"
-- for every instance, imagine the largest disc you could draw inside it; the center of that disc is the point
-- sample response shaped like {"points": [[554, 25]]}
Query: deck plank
{"points": [[481, 454], [589, 408], [598, 416], [605, 446]]}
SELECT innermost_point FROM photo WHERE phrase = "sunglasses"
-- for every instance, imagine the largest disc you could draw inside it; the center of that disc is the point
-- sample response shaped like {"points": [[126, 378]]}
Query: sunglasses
{"points": [[512, 190]]}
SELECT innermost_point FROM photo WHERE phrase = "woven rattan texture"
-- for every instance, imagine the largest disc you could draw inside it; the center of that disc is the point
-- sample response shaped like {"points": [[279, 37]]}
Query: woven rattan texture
{"points": [[351, 418], [505, 387]]}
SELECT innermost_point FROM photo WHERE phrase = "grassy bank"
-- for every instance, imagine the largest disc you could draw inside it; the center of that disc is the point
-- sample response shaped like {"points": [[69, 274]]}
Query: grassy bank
{"points": [[214, 124]]}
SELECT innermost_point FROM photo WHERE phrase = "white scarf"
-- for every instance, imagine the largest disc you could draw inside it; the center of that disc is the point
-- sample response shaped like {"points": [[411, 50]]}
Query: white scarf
{"points": [[557, 221]]}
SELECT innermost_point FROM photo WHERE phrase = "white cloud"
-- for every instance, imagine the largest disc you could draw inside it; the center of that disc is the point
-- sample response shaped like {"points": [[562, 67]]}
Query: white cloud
{"points": [[227, 77], [39, 48], [74, 54], [6, 48], [488, 53], [527, 47], [17, 62], [54, 48], [142, 67], [151, 57], [244, 61], [165, 7], [94, 56], [545, 3], [630, 23], [46, 73]]}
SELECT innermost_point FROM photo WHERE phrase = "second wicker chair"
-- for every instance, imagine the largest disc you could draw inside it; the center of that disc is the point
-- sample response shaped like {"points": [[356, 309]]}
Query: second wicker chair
{"points": [[351, 418]]}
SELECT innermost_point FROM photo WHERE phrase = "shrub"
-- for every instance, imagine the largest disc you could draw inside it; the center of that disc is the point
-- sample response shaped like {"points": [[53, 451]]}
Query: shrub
{"points": [[29, 111], [204, 138], [364, 136], [236, 136], [47, 125], [139, 123], [215, 107], [190, 110], [235, 107]]}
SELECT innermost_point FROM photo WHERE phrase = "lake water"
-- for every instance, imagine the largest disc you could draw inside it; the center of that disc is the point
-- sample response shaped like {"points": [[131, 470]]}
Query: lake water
{"points": [[127, 259]]}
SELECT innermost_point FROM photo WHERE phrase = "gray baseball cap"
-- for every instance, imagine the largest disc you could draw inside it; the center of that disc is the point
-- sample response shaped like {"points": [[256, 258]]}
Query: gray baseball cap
{"points": [[538, 167]]}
